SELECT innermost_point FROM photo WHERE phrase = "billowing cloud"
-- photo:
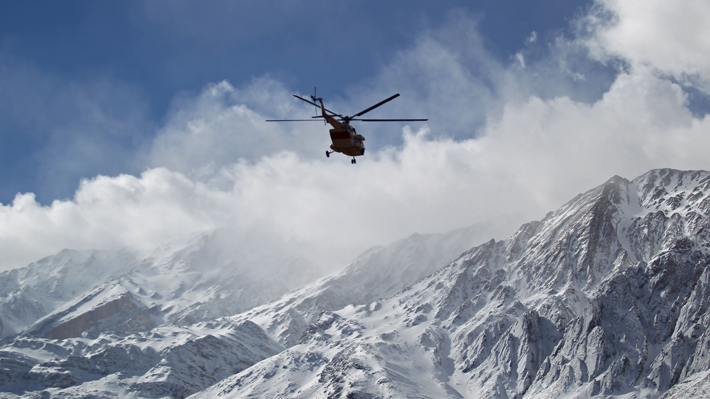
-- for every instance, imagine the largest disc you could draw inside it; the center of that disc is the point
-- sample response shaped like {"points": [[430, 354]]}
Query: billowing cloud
{"points": [[108, 213], [670, 37], [215, 163], [224, 124]]}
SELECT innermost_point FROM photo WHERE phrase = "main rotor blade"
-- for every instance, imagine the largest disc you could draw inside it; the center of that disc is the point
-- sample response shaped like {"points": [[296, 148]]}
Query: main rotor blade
{"points": [[375, 106], [312, 103], [308, 101], [292, 120], [390, 120]]}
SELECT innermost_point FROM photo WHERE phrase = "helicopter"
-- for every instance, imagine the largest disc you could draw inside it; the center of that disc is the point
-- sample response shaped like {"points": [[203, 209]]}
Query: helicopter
{"points": [[345, 138]]}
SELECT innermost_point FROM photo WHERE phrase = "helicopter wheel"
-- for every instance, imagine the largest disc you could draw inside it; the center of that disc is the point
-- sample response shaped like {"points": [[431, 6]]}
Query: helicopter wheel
{"points": [[353, 161], [327, 154]]}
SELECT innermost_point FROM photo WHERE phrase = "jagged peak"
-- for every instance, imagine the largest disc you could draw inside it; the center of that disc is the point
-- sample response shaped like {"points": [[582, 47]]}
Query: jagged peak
{"points": [[608, 226], [616, 180]]}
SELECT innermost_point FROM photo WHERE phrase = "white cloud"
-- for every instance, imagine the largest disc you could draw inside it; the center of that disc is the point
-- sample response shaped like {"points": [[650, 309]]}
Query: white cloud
{"points": [[223, 125], [108, 213], [671, 37], [531, 159], [226, 167], [559, 147]]}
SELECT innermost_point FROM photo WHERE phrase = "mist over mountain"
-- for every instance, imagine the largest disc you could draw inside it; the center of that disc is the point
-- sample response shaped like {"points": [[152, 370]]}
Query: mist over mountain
{"points": [[207, 276], [606, 296]]}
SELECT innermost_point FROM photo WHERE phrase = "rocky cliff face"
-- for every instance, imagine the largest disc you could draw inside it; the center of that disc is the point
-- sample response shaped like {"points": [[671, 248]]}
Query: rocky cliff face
{"points": [[606, 296]]}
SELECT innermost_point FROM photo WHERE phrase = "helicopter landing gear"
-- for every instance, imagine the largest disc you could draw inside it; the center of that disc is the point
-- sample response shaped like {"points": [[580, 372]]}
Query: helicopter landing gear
{"points": [[327, 154], [353, 161]]}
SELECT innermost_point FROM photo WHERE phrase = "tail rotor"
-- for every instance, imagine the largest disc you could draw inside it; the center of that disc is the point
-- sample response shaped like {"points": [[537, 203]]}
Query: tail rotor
{"points": [[315, 99]]}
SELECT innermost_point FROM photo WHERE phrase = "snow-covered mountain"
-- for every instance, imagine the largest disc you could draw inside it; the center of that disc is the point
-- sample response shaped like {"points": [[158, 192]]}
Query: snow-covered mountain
{"points": [[607, 296], [380, 272], [90, 292], [168, 361], [97, 311], [32, 292]]}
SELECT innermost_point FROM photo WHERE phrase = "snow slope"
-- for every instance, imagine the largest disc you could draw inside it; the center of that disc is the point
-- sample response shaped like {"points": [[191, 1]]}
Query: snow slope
{"points": [[29, 293], [380, 272], [168, 361], [92, 292]]}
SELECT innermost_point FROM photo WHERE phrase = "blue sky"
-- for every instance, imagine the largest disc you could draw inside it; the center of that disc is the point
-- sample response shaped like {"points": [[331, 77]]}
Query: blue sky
{"points": [[132, 59], [126, 124]]}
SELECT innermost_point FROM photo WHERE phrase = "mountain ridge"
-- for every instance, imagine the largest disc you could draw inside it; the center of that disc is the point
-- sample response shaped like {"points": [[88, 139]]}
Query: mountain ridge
{"points": [[191, 282], [159, 302], [607, 296]]}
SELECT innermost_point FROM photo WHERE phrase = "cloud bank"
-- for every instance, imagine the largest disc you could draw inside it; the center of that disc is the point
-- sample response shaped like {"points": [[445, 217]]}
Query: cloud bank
{"points": [[498, 144], [667, 37]]}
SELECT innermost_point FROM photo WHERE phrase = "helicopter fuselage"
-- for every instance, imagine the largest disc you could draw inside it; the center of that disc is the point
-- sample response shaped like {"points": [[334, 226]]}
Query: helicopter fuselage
{"points": [[345, 138], [347, 141]]}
